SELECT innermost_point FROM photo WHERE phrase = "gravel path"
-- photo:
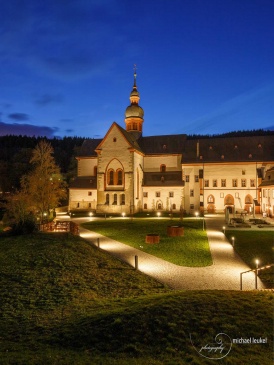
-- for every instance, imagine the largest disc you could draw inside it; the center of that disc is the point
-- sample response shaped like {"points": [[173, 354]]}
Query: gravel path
{"points": [[224, 274]]}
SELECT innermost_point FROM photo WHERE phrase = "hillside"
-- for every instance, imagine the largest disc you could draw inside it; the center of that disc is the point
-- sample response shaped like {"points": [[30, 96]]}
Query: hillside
{"points": [[64, 301]]}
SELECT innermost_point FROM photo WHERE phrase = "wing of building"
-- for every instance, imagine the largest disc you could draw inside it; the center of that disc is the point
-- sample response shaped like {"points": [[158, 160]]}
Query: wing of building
{"points": [[126, 172]]}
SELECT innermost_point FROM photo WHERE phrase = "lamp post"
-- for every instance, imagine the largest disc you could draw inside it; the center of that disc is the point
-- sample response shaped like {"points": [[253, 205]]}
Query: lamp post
{"points": [[233, 241], [256, 274], [224, 229]]}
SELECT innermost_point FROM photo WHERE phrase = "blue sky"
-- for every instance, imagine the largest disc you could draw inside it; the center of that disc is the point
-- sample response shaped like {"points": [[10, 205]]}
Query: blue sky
{"points": [[203, 66]]}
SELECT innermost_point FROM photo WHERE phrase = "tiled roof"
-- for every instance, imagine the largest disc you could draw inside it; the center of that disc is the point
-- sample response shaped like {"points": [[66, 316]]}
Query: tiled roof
{"points": [[223, 149], [84, 182], [170, 178], [88, 147], [163, 144]]}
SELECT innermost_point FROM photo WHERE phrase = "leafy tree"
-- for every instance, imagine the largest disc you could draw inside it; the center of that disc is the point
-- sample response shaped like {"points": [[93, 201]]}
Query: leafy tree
{"points": [[41, 190], [44, 183]]}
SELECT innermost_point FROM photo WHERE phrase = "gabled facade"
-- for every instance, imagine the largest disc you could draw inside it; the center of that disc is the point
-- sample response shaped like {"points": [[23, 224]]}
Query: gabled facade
{"points": [[126, 172]]}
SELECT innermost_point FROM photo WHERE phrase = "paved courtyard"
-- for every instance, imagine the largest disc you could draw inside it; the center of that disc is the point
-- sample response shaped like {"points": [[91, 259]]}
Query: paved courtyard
{"points": [[224, 274]]}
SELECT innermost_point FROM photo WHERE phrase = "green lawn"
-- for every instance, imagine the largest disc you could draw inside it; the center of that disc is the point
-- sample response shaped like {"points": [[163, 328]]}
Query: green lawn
{"points": [[192, 249], [65, 302], [252, 245]]}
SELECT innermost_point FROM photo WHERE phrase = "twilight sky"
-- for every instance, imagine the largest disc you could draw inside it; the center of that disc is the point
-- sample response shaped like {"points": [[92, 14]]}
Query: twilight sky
{"points": [[203, 66]]}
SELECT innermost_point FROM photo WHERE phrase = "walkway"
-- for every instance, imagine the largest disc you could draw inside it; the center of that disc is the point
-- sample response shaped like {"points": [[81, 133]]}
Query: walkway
{"points": [[224, 274]]}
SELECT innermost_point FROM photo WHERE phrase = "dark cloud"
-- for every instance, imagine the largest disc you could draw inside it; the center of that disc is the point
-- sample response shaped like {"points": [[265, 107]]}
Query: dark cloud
{"points": [[67, 120], [68, 38], [19, 117], [69, 130], [26, 130], [47, 99]]}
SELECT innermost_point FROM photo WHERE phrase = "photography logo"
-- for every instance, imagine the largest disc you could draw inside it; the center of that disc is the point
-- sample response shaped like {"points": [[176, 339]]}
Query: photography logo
{"points": [[215, 350]]}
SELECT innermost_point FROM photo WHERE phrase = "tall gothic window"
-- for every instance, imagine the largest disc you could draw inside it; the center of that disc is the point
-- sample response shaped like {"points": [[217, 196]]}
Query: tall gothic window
{"points": [[110, 177], [119, 177]]}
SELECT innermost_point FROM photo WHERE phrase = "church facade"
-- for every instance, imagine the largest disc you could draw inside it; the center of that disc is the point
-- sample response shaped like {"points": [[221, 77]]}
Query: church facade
{"points": [[126, 172]]}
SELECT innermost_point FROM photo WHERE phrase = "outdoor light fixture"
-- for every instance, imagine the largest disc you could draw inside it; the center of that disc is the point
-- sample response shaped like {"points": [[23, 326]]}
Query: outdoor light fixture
{"points": [[196, 214], [224, 229], [90, 214], [233, 239], [256, 274], [123, 214], [158, 214]]}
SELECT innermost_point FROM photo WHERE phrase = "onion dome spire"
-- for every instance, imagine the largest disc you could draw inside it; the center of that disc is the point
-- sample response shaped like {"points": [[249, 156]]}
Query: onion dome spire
{"points": [[134, 113]]}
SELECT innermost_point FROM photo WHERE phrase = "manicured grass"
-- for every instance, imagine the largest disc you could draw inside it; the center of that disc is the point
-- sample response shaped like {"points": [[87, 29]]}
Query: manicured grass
{"points": [[251, 245], [192, 249], [66, 302]]}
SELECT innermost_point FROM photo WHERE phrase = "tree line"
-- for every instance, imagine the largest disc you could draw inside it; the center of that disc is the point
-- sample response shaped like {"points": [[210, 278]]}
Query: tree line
{"points": [[16, 153]]}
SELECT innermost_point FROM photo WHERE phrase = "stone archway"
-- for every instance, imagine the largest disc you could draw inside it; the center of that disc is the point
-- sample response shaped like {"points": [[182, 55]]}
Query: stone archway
{"points": [[248, 204], [229, 203]]}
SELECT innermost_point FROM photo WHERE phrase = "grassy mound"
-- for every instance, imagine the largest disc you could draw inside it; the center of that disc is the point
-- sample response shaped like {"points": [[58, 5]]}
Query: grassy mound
{"points": [[66, 302], [251, 245], [192, 249]]}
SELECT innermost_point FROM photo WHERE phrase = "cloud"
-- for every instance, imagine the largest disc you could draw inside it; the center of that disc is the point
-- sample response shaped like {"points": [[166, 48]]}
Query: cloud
{"points": [[19, 117], [47, 99], [26, 130], [68, 39], [243, 111]]}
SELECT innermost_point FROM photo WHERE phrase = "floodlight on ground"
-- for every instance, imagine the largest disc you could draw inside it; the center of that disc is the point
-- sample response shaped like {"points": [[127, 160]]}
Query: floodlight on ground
{"points": [[158, 214], [196, 214], [90, 214], [123, 214]]}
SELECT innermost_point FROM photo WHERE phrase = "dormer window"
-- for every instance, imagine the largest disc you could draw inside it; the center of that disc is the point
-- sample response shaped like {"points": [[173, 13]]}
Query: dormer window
{"points": [[210, 147], [235, 147], [222, 157], [259, 145], [250, 155], [164, 147], [201, 157]]}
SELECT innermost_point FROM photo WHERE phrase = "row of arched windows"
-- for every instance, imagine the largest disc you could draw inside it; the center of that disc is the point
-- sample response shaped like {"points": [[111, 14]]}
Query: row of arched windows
{"points": [[114, 199], [229, 200], [159, 206]]}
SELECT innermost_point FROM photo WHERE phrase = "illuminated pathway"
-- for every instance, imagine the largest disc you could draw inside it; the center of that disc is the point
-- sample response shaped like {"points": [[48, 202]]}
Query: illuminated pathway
{"points": [[224, 274]]}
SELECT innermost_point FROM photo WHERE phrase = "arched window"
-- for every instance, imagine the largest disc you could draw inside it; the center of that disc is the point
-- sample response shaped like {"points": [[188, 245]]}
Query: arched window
{"points": [[114, 199], [107, 199], [229, 200], [173, 206], [248, 199], [119, 177], [122, 199], [159, 206], [211, 199], [110, 177], [163, 168], [145, 206]]}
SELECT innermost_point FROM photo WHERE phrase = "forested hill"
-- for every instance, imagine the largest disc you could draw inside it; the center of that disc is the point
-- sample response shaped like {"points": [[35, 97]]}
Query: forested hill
{"points": [[15, 154]]}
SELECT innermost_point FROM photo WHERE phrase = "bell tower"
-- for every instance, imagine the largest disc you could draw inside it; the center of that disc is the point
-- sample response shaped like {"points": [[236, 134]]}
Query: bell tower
{"points": [[134, 115]]}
